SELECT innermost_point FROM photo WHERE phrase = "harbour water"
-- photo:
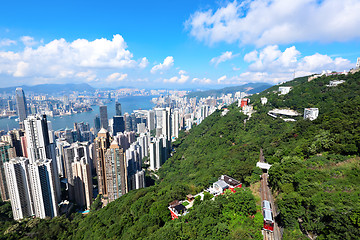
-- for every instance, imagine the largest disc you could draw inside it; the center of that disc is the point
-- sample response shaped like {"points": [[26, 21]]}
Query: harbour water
{"points": [[128, 104]]}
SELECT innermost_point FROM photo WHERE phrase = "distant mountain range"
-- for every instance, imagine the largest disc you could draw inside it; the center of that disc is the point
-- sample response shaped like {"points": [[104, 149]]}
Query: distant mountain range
{"points": [[250, 88], [53, 89]]}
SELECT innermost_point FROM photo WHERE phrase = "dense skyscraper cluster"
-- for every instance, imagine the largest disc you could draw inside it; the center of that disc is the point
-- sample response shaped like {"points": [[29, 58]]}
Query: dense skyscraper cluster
{"points": [[44, 172]]}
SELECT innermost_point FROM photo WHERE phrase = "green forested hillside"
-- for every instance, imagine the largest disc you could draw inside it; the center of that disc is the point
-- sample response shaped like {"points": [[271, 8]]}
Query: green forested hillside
{"points": [[315, 175]]}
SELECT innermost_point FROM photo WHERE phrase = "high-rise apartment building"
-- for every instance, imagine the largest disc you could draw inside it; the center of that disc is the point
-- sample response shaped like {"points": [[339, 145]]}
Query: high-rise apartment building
{"points": [[140, 179], [21, 104], [82, 180], [37, 137], [40, 144], [175, 125], [18, 183], [43, 188], [116, 172], [104, 121], [101, 143], [151, 120], [158, 117], [72, 153], [14, 138], [166, 125], [4, 158]]}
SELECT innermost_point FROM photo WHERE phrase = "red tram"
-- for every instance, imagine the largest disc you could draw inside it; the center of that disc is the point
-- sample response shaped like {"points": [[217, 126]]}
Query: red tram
{"points": [[268, 216]]}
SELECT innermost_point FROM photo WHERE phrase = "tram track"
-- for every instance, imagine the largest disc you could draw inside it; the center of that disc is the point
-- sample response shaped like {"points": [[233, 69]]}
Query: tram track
{"points": [[265, 194]]}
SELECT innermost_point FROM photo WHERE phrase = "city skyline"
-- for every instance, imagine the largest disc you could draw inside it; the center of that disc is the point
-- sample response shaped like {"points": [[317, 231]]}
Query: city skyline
{"points": [[194, 44]]}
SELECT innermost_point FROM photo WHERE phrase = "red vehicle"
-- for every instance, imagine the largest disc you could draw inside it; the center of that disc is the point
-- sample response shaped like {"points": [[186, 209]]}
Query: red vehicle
{"points": [[268, 220]]}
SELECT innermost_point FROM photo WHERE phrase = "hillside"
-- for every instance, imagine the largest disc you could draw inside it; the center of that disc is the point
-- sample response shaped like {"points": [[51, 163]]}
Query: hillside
{"points": [[51, 89], [250, 88], [315, 175]]}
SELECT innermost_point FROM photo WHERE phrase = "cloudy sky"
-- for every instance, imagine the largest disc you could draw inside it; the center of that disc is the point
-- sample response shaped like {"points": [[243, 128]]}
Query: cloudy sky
{"points": [[175, 44]]}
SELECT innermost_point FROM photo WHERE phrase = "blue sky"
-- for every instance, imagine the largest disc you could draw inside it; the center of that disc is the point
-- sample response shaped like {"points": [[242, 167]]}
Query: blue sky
{"points": [[175, 44]]}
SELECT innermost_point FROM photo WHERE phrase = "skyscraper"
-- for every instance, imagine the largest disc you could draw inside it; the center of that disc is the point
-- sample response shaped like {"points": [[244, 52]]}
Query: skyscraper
{"points": [[21, 104], [82, 183], [37, 137], [32, 188], [40, 145], [116, 172], [118, 109], [151, 120], [128, 122], [4, 157], [104, 122], [97, 125], [18, 180], [118, 124], [166, 125], [72, 153], [101, 143], [140, 179], [156, 153], [175, 125], [43, 188], [158, 117]]}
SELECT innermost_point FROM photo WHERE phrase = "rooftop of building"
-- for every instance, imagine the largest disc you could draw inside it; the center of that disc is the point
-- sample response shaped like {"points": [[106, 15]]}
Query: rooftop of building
{"points": [[286, 112], [102, 131]]}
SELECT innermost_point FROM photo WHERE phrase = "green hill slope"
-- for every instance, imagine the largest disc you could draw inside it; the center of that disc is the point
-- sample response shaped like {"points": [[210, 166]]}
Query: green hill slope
{"points": [[315, 175]]}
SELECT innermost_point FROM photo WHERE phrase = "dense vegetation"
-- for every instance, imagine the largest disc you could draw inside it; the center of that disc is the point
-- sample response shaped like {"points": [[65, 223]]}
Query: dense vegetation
{"points": [[315, 175]]}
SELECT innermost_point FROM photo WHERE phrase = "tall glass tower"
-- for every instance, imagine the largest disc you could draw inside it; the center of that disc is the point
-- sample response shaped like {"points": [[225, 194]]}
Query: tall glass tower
{"points": [[21, 104], [118, 109], [104, 122]]}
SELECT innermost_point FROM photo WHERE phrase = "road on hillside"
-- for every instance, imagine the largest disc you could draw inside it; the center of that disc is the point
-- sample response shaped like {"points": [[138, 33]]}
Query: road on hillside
{"points": [[266, 195]]}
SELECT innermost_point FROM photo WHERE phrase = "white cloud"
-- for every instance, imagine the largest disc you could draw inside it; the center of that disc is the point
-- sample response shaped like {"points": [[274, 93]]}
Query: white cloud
{"points": [[114, 77], [264, 22], [7, 42], [61, 59], [223, 58], [181, 79], [143, 63], [171, 80], [28, 41], [270, 64], [88, 75], [271, 58], [201, 80], [182, 72], [221, 79], [168, 63]]}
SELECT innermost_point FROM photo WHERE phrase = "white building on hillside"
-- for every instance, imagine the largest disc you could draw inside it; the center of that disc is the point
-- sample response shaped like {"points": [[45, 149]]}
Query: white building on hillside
{"points": [[284, 90], [263, 100], [334, 83], [311, 113]]}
